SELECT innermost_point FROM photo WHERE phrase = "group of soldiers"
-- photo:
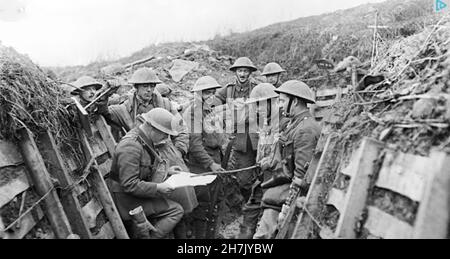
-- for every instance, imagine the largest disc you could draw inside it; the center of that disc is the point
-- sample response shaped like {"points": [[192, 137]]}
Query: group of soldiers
{"points": [[157, 138]]}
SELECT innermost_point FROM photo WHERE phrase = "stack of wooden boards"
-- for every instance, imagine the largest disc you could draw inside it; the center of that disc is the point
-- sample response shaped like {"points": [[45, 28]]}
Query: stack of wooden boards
{"points": [[45, 193]]}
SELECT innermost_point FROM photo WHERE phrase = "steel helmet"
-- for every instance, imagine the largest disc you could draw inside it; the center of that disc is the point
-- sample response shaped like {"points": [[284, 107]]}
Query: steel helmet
{"points": [[297, 89], [144, 75], [205, 83], [164, 89], [245, 63], [86, 81], [261, 92], [162, 120], [272, 68]]}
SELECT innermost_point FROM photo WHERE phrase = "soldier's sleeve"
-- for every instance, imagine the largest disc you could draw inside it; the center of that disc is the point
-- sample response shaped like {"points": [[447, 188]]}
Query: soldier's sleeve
{"points": [[103, 109], [197, 151], [128, 160], [119, 115], [304, 146], [181, 142], [114, 112]]}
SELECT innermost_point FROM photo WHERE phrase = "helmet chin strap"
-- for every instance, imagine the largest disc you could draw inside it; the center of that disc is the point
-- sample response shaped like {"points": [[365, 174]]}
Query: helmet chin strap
{"points": [[269, 110], [278, 80], [289, 108]]}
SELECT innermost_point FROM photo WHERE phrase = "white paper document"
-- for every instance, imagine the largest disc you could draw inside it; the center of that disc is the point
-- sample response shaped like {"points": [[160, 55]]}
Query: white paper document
{"points": [[186, 179]]}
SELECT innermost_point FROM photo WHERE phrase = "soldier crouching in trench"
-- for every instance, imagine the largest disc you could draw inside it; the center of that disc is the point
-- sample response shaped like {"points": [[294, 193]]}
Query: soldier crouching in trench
{"points": [[136, 174]]}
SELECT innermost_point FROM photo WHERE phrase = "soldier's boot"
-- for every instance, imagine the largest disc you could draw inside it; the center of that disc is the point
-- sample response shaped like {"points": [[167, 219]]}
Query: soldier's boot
{"points": [[180, 230], [251, 216], [141, 228]]}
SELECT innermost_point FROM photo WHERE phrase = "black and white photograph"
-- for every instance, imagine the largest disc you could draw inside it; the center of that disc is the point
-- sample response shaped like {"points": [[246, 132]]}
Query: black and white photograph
{"points": [[247, 123]]}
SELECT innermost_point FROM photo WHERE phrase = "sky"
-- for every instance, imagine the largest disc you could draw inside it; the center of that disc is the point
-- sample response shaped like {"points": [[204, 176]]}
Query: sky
{"points": [[77, 32]]}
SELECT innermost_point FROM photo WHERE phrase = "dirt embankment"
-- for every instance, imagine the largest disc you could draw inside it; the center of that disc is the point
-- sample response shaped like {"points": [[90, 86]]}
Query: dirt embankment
{"points": [[409, 112]]}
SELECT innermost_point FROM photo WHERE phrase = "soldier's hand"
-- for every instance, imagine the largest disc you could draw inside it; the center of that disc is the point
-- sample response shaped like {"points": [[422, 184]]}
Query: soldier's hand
{"points": [[264, 164], [216, 168], [114, 83], [164, 188], [175, 170], [282, 215]]}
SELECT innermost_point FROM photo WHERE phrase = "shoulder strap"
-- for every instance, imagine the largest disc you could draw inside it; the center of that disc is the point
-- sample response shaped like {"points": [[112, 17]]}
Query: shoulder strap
{"points": [[145, 141], [231, 89]]}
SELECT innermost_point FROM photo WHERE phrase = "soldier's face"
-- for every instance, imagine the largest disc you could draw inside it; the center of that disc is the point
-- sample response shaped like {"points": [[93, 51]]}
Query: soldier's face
{"points": [[273, 79], [207, 94], [284, 102], [88, 93], [243, 75], [145, 91], [157, 136]]}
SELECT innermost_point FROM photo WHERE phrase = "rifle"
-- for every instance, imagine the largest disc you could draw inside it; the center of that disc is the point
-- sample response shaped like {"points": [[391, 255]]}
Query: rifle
{"points": [[112, 89], [283, 226]]}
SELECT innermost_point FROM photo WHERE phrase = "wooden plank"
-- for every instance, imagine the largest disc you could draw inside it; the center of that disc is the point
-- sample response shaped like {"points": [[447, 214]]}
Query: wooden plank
{"points": [[71, 163], [336, 198], [91, 211], [105, 168], [26, 225], [332, 92], [106, 232], [98, 147], [106, 134], [327, 92], [304, 223], [326, 103], [79, 189], [433, 215], [383, 225], [14, 187], [103, 194], [358, 189], [351, 169], [404, 174], [41, 179], [9, 154], [57, 169]]}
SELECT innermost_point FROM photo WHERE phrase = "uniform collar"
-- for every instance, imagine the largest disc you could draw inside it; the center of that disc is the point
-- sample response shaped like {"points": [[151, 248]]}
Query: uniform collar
{"points": [[139, 101], [301, 116], [245, 85]]}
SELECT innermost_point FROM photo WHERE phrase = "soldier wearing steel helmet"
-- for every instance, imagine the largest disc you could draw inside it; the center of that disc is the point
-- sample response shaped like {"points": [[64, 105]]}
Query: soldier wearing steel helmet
{"points": [[242, 149], [205, 154], [138, 173], [265, 122], [296, 146], [85, 90], [145, 99], [273, 73]]}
